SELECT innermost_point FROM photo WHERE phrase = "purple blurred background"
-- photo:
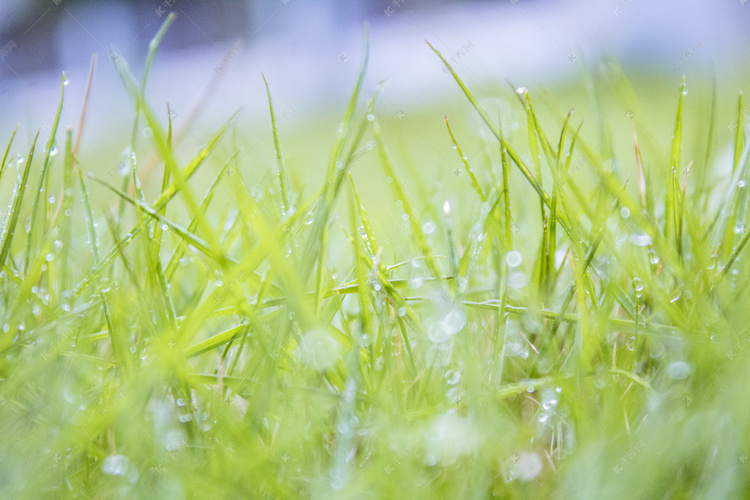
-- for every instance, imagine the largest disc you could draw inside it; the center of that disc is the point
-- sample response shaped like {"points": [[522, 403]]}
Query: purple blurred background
{"points": [[310, 50]]}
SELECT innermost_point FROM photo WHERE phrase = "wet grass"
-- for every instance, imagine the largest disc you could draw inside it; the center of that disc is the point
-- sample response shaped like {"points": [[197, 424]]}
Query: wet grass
{"points": [[566, 319]]}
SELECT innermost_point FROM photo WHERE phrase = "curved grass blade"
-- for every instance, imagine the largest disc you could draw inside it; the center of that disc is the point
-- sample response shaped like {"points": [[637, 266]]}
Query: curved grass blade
{"points": [[498, 134], [117, 336], [400, 195], [9, 229], [7, 151], [66, 226], [41, 192], [280, 165], [334, 174], [465, 163]]}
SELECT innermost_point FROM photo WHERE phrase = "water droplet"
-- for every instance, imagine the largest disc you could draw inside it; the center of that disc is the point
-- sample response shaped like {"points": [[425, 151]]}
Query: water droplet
{"points": [[351, 306], [630, 343], [180, 402], [370, 117], [521, 90], [53, 151], [49, 257], [428, 227], [741, 184], [518, 280], [684, 90], [653, 258], [116, 465], [51, 199], [657, 350], [530, 389], [447, 320], [185, 418], [678, 370], [450, 437], [529, 466], [68, 212], [513, 258], [164, 227], [739, 228], [544, 365], [453, 377], [147, 132], [640, 239], [447, 208], [319, 350], [624, 212], [638, 284]]}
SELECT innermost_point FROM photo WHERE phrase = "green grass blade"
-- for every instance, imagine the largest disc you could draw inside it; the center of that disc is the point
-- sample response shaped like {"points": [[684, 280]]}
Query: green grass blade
{"points": [[7, 151], [673, 201], [41, 192], [66, 225], [280, 165], [9, 229], [465, 163], [117, 336]]}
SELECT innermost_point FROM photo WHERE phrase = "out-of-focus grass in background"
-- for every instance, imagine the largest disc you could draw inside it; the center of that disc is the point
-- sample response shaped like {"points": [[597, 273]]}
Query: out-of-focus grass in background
{"points": [[213, 58], [490, 310]]}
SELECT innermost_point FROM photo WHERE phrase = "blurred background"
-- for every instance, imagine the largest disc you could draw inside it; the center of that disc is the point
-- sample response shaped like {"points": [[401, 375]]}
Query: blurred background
{"points": [[210, 64]]}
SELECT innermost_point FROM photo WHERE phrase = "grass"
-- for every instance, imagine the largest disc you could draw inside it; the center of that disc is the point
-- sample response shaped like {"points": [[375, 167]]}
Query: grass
{"points": [[568, 322]]}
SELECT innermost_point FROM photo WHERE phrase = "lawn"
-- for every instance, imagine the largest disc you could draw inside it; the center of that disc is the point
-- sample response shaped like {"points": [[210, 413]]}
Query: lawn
{"points": [[495, 299]]}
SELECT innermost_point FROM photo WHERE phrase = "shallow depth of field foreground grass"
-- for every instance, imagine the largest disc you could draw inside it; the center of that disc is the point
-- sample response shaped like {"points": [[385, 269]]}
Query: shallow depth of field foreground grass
{"points": [[573, 325]]}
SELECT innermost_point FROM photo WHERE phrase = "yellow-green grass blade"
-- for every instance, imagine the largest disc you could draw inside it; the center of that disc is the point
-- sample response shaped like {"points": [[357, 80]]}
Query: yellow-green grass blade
{"points": [[401, 196], [7, 151], [673, 225], [335, 171], [14, 213], [41, 192], [117, 335], [66, 224], [465, 163], [190, 238], [497, 133], [280, 165], [179, 251]]}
